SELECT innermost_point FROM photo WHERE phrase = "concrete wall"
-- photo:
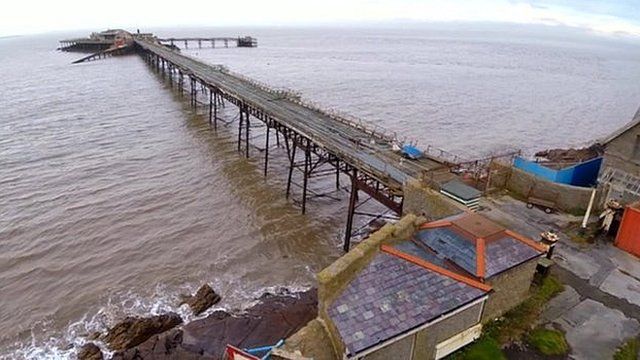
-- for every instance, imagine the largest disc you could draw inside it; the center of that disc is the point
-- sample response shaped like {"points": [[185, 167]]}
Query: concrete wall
{"points": [[400, 350], [421, 200], [619, 153], [510, 288], [427, 339], [422, 344], [571, 199]]}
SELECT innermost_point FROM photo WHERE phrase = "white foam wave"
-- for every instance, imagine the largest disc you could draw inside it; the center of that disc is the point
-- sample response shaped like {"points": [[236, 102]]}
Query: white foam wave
{"points": [[48, 345]]}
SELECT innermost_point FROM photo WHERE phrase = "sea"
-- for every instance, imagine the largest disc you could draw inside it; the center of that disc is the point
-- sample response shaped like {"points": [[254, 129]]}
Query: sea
{"points": [[116, 196]]}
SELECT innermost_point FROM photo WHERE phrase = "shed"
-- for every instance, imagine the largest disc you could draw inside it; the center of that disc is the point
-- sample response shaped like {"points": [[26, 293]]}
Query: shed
{"points": [[628, 238]]}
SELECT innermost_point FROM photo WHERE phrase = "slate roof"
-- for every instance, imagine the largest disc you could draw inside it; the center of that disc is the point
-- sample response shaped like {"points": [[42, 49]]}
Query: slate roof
{"points": [[392, 296], [457, 241], [502, 254], [446, 242]]}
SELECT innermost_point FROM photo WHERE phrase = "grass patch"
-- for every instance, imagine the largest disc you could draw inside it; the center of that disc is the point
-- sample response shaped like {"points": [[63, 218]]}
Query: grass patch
{"points": [[518, 320], [512, 326], [548, 342], [484, 349], [628, 350]]}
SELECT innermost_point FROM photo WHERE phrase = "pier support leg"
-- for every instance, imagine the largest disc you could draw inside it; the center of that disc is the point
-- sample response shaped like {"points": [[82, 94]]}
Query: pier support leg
{"points": [[246, 133], [210, 107], [305, 180], [195, 93], [240, 128], [292, 159], [215, 110], [352, 207], [266, 150], [337, 174]]}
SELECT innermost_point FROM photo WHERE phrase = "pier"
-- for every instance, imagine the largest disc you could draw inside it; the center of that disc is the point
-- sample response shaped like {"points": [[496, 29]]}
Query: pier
{"points": [[318, 142], [246, 41]]}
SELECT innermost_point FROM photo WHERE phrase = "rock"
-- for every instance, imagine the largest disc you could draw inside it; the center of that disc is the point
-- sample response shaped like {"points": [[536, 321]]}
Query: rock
{"points": [[94, 335], [276, 317], [162, 346], [133, 331], [559, 157], [90, 351], [204, 298]]}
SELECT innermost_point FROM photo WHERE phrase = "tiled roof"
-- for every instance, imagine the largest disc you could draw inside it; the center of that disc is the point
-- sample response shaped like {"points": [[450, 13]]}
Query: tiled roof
{"points": [[409, 247], [477, 245], [452, 245], [505, 253], [392, 296]]}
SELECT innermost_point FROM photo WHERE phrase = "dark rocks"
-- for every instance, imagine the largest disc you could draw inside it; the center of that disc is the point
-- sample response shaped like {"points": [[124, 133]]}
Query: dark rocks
{"points": [[276, 317], [162, 346], [204, 298], [561, 157], [133, 331], [90, 351]]}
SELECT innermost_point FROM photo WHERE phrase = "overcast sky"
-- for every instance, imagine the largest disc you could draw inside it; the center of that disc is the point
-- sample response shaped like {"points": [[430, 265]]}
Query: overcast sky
{"points": [[36, 16]]}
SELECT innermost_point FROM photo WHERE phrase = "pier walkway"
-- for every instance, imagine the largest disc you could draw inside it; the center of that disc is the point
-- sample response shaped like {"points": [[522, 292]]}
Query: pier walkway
{"points": [[367, 155]]}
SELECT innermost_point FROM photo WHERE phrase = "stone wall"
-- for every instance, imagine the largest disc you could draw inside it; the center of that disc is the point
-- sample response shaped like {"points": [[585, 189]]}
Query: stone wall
{"points": [[421, 200], [427, 339], [571, 199], [510, 288], [620, 153], [400, 350]]}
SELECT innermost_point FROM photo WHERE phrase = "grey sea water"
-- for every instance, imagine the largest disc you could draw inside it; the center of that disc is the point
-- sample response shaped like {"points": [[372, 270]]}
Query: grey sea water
{"points": [[115, 197]]}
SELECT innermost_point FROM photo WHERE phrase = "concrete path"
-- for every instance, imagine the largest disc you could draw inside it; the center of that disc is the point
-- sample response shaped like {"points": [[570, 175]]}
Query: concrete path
{"points": [[600, 307], [594, 331]]}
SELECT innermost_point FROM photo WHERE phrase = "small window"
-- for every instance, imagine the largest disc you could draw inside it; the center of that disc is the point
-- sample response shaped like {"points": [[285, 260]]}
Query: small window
{"points": [[636, 149]]}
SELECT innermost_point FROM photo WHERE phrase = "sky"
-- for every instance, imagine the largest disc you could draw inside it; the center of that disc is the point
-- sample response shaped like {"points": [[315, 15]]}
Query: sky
{"points": [[17, 17]]}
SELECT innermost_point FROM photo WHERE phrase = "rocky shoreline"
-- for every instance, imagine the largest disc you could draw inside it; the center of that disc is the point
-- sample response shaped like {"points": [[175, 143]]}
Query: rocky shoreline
{"points": [[275, 317]]}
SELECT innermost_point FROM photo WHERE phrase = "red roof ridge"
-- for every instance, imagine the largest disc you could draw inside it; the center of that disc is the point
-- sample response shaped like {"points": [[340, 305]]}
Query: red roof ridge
{"points": [[480, 259], [435, 224], [427, 265]]}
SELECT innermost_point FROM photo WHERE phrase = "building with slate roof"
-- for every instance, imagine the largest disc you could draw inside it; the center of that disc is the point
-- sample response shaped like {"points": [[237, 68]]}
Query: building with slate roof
{"points": [[417, 290]]}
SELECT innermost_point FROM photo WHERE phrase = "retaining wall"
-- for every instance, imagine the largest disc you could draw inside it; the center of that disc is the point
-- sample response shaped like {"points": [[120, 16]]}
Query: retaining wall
{"points": [[568, 198]]}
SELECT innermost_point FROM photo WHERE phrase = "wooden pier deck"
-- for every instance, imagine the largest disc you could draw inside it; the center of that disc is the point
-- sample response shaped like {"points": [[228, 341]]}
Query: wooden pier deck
{"points": [[246, 41], [365, 154]]}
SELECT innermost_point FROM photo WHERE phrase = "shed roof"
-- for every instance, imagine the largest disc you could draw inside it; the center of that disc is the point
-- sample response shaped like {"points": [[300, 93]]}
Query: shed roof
{"points": [[392, 296], [476, 245]]}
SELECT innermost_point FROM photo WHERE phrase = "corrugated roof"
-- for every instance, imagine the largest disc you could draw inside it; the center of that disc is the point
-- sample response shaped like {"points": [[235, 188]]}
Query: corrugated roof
{"points": [[392, 296]]}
